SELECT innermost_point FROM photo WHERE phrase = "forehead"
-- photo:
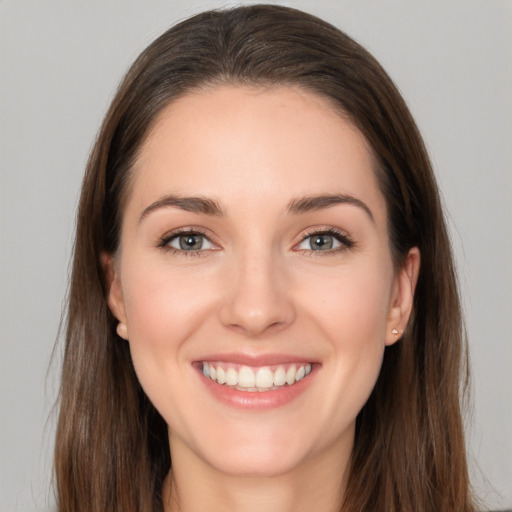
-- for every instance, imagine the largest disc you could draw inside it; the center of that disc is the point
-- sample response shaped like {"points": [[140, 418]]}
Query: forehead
{"points": [[239, 144]]}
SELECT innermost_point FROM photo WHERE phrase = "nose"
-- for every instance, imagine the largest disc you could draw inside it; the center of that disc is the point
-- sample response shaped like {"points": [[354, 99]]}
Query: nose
{"points": [[257, 299]]}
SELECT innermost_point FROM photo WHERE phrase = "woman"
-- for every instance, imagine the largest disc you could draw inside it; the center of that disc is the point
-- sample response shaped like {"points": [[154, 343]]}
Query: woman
{"points": [[263, 308]]}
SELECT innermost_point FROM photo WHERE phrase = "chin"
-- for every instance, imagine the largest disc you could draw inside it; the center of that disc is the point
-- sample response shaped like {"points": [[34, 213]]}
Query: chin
{"points": [[267, 449], [258, 462]]}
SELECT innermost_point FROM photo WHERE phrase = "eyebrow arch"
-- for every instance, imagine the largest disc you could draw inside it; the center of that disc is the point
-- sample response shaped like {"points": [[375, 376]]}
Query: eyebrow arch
{"points": [[189, 204], [311, 203]]}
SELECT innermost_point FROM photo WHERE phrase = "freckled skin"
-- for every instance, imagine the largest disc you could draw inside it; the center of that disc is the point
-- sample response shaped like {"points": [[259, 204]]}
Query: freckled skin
{"points": [[257, 287]]}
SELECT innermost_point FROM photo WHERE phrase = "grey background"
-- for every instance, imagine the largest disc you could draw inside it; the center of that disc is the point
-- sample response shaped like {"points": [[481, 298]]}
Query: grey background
{"points": [[60, 62]]}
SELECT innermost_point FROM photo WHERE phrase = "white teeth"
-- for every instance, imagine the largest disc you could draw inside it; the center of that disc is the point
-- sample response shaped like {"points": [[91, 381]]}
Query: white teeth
{"points": [[231, 377], [264, 378], [246, 378], [261, 379], [279, 377], [290, 375], [221, 375]]}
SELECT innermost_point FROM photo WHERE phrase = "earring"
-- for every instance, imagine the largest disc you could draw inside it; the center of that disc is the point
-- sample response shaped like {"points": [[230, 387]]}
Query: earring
{"points": [[394, 332], [122, 330]]}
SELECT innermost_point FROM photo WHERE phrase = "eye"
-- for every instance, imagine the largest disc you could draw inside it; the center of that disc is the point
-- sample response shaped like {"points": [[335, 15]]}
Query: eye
{"points": [[189, 241], [325, 241]]}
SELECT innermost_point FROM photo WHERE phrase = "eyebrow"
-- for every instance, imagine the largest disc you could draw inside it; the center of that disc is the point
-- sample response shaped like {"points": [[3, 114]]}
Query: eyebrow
{"points": [[208, 206], [312, 203], [189, 204]]}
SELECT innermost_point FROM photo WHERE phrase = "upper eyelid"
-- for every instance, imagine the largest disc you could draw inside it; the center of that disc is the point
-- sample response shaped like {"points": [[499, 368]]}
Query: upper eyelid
{"points": [[323, 229], [183, 231], [327, 231]]}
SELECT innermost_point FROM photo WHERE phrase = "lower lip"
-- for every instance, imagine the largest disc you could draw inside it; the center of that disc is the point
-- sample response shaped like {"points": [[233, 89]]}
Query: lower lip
{"points": [[258, 400]]}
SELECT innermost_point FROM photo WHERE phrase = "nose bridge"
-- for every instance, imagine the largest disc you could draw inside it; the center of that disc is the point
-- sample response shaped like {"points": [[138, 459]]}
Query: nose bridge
{"points": [[256, 299]]}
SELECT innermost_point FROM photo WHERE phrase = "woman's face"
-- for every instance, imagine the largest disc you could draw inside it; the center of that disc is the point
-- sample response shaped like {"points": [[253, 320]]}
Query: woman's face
{"points": [[254, 249]]}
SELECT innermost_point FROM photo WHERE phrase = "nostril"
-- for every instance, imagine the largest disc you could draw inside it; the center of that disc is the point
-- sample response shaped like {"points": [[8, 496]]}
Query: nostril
{"points": [[256, 322]]}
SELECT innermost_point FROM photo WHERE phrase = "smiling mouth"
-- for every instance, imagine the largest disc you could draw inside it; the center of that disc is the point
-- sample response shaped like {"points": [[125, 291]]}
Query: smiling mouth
{"points": [[264, 378]]}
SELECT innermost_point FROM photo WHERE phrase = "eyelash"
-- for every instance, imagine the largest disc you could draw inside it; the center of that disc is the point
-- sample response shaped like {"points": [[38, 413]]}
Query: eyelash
{"points": [[345, 240], [164, 242]]}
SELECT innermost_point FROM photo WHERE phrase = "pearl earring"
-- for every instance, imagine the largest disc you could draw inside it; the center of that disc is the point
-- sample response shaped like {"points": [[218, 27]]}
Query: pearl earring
{"points": [[122, 330], [394, 332]]}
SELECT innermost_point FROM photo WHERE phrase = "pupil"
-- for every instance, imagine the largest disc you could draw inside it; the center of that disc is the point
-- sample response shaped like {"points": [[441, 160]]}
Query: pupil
{"points": [[190, 242], [322, 242]]}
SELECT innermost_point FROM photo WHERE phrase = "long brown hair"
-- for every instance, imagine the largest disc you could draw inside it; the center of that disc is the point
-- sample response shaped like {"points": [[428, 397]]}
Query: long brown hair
{"points": [[112, 449]]}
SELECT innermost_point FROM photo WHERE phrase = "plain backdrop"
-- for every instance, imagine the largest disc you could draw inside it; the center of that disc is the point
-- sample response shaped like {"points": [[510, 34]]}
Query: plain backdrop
{"points": [[60, 63]]}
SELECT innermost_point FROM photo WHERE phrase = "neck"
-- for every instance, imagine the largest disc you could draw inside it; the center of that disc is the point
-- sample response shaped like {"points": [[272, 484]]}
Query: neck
{"points": [[318, 484]]}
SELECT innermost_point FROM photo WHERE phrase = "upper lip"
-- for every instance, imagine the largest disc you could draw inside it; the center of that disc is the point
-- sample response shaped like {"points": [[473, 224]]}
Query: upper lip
{"points": [[254, 359]]}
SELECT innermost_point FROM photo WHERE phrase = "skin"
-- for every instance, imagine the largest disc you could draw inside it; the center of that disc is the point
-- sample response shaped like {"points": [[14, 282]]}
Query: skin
{"points": [[257, 287]]}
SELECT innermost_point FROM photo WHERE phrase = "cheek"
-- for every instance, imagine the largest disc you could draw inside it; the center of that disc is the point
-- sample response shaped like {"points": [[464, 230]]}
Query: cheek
{"points": [[162, 312], [352, 312], [352, 304], [163, 303]]}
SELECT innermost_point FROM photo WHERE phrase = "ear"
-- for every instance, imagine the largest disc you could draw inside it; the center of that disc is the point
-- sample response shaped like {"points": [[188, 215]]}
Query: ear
{"points": [[402, 298], [115, 295]]}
